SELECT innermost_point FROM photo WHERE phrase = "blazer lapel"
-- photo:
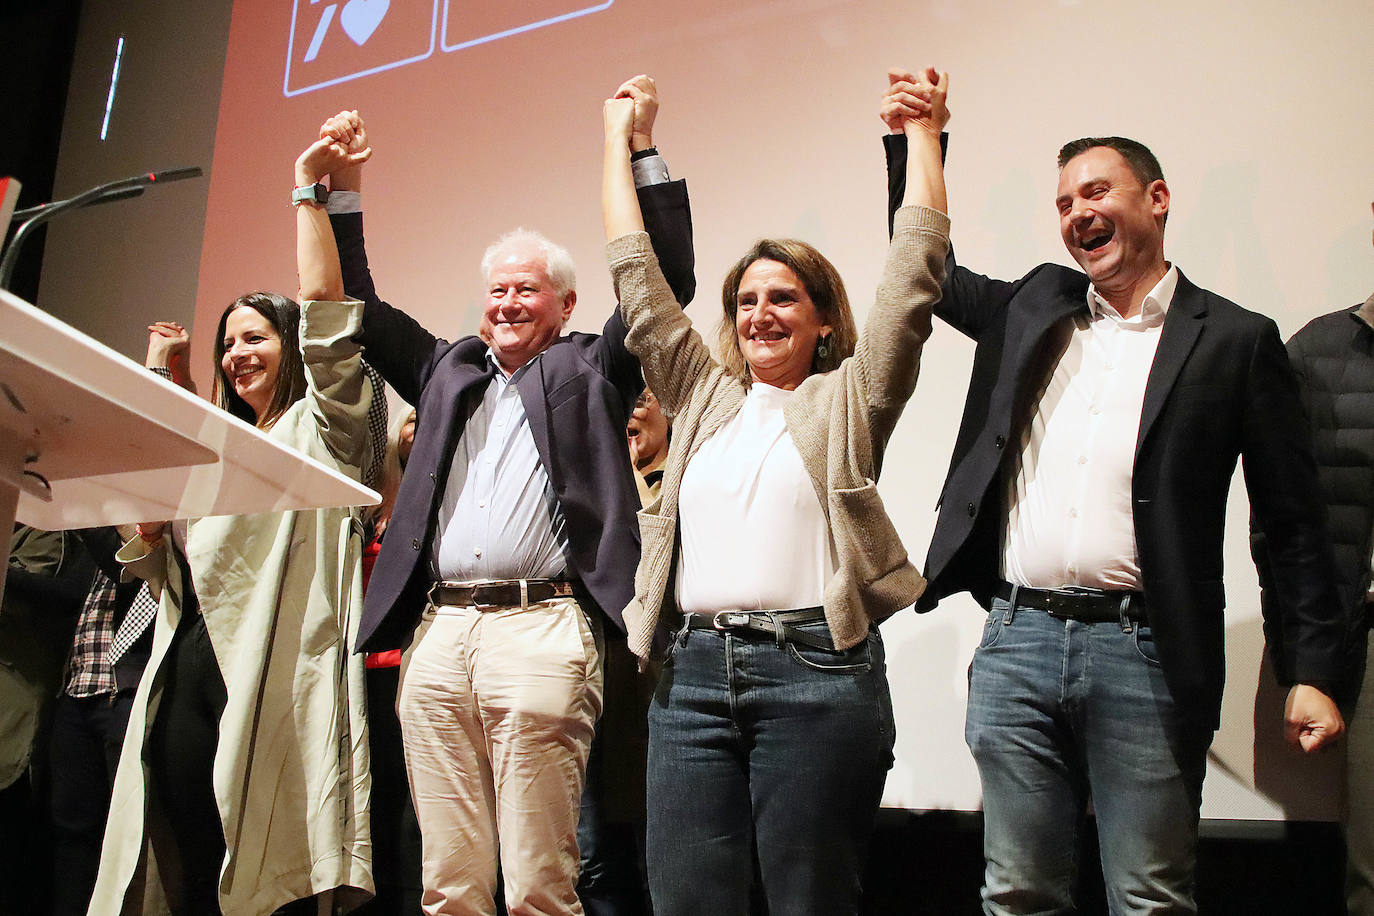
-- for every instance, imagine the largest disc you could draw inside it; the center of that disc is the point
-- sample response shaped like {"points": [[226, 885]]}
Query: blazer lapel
{"points": [[1182, 326], [533, 395], [1026, 360]]}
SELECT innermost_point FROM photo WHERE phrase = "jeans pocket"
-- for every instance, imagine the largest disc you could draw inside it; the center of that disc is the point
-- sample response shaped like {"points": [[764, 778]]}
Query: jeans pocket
{"points": [[992, 629], [1145, 644], [854, 660]]}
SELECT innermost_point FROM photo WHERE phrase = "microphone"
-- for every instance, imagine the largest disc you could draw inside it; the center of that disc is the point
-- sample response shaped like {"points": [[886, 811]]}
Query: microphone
{"points": [[121, 189], [21, 215]]}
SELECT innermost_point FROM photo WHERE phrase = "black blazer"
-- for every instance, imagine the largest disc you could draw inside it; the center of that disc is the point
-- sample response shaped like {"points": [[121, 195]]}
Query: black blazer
{"points": [[1220, 388], [578, 398]]}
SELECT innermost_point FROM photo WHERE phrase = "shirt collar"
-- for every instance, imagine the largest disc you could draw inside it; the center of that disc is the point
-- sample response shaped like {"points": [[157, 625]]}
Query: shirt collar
{"points": [[1152, 310], [512, 376]]}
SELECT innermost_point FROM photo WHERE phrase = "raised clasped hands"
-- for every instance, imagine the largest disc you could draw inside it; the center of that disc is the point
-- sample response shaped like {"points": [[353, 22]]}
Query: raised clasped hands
{"points": [[644, 91], [342, 146], [638, 95], [347, 128], [915, 102]]}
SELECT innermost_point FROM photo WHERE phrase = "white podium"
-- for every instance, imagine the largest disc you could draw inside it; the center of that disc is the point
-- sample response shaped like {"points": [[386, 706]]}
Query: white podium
{"points": [[88, 437]]}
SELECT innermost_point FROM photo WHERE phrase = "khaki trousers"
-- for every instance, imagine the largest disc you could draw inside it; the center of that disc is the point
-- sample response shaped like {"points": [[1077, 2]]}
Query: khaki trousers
{"points": [[498, 707]]}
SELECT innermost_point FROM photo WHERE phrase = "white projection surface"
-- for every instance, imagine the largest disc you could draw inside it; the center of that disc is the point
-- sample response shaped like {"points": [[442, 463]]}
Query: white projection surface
{"points": [[485, 116]]}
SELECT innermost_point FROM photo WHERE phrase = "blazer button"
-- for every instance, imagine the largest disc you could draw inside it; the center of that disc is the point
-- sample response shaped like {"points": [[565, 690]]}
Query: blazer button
{"points": [[415, 543], [999, 441], [972, 510]]}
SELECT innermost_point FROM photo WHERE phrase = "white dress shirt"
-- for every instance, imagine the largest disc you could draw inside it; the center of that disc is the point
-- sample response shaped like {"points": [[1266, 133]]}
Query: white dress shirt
{"points": [[1069, 516], [499, 517], [754, 536]]}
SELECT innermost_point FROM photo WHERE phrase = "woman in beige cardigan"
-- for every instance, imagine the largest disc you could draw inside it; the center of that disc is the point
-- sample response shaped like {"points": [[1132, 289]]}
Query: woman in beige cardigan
{"points": [[771, 731], [243, 784]]}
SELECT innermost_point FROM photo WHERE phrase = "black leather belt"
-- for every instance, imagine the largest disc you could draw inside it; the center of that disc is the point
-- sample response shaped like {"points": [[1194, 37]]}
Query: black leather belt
{"points": [[499, 592], [1090, 605], [778, 625]]}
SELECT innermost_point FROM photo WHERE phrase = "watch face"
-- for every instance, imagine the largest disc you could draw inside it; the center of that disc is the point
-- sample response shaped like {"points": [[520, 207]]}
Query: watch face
{"points": [[316, 192]]}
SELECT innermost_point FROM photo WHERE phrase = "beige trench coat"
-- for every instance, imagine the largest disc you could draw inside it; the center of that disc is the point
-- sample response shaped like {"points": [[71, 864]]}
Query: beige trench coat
{"points": [[281, 594], [840, 422]]}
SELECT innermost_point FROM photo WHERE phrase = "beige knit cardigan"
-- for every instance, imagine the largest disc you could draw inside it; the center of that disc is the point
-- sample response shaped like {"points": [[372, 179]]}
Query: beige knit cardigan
{"points": [[840, 422]]}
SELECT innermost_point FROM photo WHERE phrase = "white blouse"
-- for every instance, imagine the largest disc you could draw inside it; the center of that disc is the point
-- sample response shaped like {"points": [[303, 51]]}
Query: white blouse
{"points": [[754, 536]]}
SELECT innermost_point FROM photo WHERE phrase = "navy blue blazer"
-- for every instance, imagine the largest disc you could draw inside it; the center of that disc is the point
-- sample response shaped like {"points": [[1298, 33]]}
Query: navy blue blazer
{"points": [[578, 398], [1220, 388]]}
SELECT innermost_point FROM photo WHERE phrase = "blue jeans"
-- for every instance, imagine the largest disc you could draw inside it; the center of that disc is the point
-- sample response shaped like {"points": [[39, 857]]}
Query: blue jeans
{"points": [[767, 751], [1061, 711]]}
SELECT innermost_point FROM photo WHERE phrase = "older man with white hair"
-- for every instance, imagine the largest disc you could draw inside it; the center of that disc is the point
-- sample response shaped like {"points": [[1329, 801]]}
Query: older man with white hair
{"points": [[513, 541]]}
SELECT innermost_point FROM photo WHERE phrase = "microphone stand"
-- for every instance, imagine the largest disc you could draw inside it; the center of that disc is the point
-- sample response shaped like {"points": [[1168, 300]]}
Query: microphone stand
{"points": [[122, 189]]}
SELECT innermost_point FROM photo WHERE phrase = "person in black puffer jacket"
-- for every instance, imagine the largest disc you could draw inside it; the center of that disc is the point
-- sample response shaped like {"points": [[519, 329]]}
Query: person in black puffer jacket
{"points": [[1334, 359]]}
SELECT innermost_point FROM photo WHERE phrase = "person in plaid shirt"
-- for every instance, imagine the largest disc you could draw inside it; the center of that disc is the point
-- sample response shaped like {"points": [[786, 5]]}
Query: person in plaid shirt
{"points": [[108, 653]]}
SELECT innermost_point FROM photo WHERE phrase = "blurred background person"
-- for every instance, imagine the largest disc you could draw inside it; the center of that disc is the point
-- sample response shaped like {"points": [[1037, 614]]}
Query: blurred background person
{"points": [[46, 578], [111, 647], [610, 833], [396, 855]]}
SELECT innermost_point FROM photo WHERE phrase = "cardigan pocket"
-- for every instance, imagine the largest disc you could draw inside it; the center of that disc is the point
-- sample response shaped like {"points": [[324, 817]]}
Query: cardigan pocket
{"points": [[866, 541], [657, 534]]}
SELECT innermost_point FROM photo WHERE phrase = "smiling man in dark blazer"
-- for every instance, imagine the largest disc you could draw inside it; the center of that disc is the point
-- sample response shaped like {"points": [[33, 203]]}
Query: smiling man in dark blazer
{"points": [[513, 539], [1084, 509]]}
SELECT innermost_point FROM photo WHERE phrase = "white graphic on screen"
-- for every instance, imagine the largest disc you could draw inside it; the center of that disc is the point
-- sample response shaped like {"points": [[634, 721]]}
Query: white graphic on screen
{"points": [[334, 41]]}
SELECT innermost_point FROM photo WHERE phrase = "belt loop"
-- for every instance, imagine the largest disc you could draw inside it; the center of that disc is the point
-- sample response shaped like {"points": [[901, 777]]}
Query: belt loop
{"points": [[1011, 605], [680, 637], [1126, 625], [777, 630], [524, 593]]}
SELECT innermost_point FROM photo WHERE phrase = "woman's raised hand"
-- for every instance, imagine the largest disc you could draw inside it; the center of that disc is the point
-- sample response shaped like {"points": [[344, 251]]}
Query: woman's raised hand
{"points": [[618, 118], [915, 102], [327, 155], [167, 342]]}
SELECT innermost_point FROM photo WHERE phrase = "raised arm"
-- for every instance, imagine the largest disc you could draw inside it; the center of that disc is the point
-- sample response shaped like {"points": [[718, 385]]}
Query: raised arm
{"points": [[620, 211], [317, 257], [169, 347], [651, 201], [337, 388], [887, 357], [397, 345], [970, 302], [659, 334], [917, 104]]}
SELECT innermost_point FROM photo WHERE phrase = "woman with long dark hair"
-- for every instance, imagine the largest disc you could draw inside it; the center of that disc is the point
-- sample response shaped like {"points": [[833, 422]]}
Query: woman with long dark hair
{"points": [[243, 784]]}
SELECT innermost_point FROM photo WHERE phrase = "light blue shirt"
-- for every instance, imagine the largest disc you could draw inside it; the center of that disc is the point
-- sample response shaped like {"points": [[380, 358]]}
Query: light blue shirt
{"points": [[499, 518]]}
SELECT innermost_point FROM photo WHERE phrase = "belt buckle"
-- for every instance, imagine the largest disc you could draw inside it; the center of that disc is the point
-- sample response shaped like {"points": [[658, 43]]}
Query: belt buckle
{"points": [[729, 620], [1058, 605], [479, 590]]}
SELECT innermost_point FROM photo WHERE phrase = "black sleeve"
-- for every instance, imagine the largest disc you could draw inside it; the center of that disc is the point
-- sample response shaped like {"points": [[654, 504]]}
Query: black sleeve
{"points": [[668, 220], [969, 301], [396, 345], [894, 145]]}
